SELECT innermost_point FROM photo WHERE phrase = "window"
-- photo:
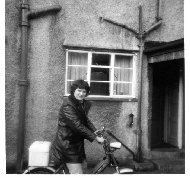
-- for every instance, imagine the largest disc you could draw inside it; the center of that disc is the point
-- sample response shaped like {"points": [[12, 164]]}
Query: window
{"points": [[108, 74]]}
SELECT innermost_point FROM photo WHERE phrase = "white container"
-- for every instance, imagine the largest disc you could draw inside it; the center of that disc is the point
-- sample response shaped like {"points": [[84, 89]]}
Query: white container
{"points": [[115, 145], [39, 153]]}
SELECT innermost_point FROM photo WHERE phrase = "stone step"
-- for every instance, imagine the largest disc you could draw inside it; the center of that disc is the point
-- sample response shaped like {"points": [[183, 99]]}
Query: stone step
{"points": [[170, 165], [167, 154]]}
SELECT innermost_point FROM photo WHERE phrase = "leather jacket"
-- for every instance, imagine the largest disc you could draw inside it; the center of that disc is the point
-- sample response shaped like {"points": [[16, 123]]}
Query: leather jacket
{"points": [[73, 127]]}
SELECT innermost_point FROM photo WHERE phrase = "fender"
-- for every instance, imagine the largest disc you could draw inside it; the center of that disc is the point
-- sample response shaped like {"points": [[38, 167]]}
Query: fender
{"points": [[125, 171], [33, 168]]}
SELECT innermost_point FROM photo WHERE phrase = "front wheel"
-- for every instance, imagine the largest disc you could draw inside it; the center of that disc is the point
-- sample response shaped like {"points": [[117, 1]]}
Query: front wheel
{"points": [[125, 171], [39, 171]]}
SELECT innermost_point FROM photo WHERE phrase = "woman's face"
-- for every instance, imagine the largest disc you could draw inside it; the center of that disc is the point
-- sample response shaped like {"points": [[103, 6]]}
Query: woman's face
{"points": [[80, 94]]}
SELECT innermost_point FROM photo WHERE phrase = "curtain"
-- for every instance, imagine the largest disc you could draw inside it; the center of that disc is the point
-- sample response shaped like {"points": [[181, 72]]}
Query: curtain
{"points": [[75, 58], [123, 61], [122, 88], [77, 66], [123, 75], [75, 73], [123, 72]]}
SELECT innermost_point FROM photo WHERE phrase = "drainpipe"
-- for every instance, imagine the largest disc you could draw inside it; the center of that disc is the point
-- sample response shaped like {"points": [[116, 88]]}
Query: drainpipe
{"points": [[43, 11], [102, 19], [140, 35], [23, 81], [158, 6], [153, 27], [23, 84], [138, 132]]}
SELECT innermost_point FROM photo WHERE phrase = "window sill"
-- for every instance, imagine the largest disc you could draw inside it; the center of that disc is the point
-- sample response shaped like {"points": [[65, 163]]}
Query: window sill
{"points": [[111, 99], [101, 98]]}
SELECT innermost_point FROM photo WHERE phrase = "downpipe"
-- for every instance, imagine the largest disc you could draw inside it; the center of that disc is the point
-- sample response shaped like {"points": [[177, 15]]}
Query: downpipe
{"points": [[138, 132], [23, 84], [141, 37], [23, 80]]}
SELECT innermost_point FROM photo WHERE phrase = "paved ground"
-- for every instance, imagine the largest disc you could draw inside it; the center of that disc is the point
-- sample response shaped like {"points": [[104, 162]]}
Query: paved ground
{"points": [[156, 171], [161, 166]]}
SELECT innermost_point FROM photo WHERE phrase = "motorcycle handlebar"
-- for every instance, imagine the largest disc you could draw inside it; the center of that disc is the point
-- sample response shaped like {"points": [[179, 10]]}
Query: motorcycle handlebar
{"points": [[100, 133]]}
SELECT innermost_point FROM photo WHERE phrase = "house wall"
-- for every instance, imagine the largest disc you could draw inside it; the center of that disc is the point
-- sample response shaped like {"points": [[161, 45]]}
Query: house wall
{"points": [[172, 28], [12, 62], [77, 24]]}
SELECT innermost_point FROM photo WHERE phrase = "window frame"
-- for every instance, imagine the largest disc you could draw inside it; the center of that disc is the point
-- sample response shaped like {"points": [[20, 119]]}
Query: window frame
{"points": [[111, 67]]}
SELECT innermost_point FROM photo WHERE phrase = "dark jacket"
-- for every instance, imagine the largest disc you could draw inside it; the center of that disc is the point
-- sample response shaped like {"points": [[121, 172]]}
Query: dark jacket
{"points": [[73, 127]]}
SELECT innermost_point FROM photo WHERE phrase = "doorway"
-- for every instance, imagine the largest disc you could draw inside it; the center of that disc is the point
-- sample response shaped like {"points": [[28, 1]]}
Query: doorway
{"points": [[167, 128]]}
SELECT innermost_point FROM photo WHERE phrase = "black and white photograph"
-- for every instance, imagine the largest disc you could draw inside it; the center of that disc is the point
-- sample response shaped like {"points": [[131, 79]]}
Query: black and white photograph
{"points": [[94, 87]]}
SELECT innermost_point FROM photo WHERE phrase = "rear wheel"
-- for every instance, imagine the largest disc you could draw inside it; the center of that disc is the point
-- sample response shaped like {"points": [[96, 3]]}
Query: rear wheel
{"points": [[39, 171]]}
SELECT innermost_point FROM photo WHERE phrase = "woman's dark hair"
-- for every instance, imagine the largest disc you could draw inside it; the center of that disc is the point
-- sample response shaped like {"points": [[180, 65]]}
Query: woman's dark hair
{"points": [[80, 84]]}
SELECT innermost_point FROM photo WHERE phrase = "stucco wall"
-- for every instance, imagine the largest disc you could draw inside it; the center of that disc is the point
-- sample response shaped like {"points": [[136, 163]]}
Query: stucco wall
{"points": [[172, 28], [113, 116], [77, 24], [12, 62]]}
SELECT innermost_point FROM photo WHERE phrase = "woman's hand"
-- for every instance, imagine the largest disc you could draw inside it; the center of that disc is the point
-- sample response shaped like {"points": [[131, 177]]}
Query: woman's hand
{"points": [[99, 139], [98, 132]]}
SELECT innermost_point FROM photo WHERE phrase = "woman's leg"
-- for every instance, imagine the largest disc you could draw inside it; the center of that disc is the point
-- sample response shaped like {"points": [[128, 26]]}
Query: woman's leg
{"points": [[75, 168], [85, 167]]}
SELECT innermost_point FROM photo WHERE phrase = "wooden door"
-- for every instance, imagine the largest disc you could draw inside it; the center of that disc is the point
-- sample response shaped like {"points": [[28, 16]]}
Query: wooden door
{"points": [[157, 124], [167, 124], [174, 110], [171, 114]]}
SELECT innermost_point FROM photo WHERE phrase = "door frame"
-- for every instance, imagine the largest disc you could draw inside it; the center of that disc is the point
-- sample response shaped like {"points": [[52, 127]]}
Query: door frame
{"points": [[180, 117], [159, 52]]}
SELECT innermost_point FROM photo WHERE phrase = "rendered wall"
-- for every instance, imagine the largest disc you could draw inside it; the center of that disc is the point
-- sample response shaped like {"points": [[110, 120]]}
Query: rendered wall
{"points": [[172, 28], [77, 24], [12, 62]]}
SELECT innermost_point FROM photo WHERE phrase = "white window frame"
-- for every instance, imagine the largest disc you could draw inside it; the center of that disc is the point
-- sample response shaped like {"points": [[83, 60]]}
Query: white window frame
{"points": [[111, 67]]}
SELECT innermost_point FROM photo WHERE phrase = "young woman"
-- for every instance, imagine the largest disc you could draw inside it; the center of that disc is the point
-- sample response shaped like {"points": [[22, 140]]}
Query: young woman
{"points": [[73, 127]]}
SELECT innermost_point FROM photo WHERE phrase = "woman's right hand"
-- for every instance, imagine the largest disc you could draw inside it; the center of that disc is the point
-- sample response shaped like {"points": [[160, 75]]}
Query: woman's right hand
{"points": [[99, 139]]}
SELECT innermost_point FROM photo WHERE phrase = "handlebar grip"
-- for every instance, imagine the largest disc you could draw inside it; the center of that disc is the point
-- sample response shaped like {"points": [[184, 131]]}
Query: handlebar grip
{"points": [[100, 132]]}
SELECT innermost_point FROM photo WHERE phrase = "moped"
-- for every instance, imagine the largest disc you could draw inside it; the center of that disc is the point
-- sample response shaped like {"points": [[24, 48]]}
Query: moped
{"points": [[108, 160]]}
